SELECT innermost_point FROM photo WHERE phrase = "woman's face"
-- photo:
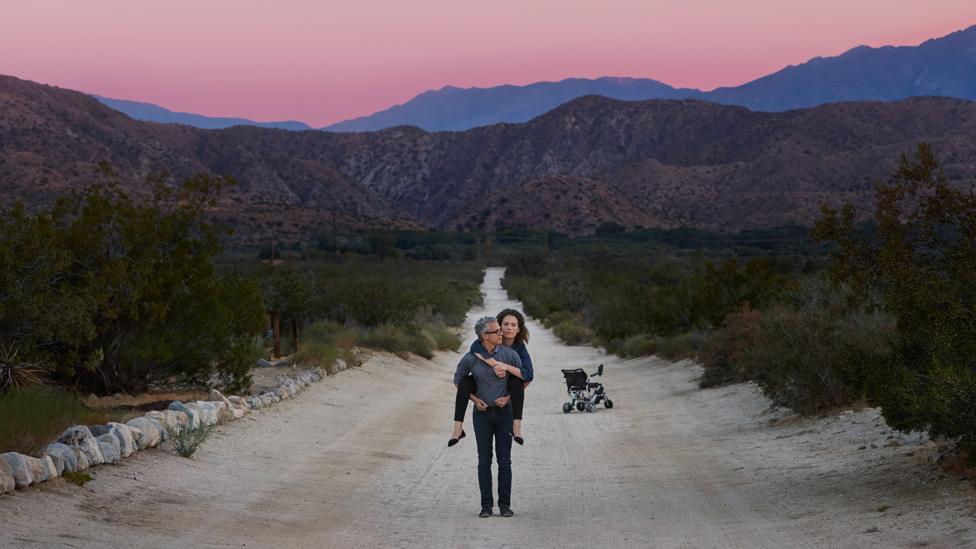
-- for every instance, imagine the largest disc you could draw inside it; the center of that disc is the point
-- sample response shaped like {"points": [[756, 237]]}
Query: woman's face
{"points": [[510, 327]]}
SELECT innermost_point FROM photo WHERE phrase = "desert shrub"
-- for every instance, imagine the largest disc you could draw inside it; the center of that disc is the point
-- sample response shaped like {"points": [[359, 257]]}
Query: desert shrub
{"points": [[725, 356], [18, 376], [794, 360], [445, 339], [633, 346], [399, 339], [389, 338], [558, 317], [573, 332], [686, 345], [32, 417], [187, 441], [318, 346], [539, 297], [78, 478], [811, 352]]}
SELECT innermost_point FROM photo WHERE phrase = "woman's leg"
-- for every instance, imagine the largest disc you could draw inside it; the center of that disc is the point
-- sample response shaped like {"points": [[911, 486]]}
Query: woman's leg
{"points": [[516, 387], [464, 391]]}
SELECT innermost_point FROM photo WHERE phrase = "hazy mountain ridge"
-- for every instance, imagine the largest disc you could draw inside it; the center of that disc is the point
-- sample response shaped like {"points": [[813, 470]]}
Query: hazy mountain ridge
{"points": [[938, 67], [154, 113], [652, 163]]}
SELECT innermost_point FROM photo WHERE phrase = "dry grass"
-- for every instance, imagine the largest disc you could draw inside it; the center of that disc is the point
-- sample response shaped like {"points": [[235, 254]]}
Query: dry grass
{"points": [[33, 417]]}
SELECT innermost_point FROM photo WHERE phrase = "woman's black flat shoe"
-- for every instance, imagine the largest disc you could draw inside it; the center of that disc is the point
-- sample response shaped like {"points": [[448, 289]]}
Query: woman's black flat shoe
{"points": [[520, 440], [454, 441]]}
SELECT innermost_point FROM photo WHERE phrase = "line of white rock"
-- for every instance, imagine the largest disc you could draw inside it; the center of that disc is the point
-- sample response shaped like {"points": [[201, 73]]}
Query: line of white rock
{"points": [[81, 447]]}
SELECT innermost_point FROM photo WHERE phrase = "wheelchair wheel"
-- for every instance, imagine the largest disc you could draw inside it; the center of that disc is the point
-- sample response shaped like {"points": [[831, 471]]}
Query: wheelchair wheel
{"points": [[580, 405], [567, 407], [590, 408], [608, 403]]}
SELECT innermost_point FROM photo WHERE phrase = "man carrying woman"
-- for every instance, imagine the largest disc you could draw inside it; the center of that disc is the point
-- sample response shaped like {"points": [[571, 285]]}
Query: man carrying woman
{"points": [[492, 417], [515, 335]]}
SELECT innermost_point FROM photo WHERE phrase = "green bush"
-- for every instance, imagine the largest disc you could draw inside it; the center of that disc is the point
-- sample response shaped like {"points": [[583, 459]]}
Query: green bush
{"points": [[573, 333], [32, 417], [686, 345], [399, 339], [634, 346], [324, 342], [810, 353], [558, 317], [725, 357], [187, 441], [445, 339]]}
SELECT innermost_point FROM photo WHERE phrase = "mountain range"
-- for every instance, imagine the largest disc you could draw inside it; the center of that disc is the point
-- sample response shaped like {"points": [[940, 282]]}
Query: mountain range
{"points": [[655, 163], [944, 66], [154, 113]]}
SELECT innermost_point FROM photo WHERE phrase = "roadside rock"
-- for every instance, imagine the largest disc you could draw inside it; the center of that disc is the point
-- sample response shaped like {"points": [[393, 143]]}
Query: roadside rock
{"points": [[82, 457], [193, 416], [168, 420], [181, 418], [255, 402], [18, 469], [27, 470], [7, 482], [207, 411], [127, 438], [225, 411], [110, 447], [217, 396], [63, 457], [43, 468], [81, 437], [99, 430], [150, 432]]}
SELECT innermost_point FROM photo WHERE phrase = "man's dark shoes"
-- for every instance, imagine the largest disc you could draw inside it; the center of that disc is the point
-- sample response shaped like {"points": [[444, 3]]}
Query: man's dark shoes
{"points": [[486, 512], [454, 441], [519, 440], [505, 512]]}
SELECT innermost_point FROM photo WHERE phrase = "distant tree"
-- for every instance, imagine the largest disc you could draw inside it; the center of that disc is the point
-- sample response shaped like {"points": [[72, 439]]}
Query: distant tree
{"points": [[610, 228]]}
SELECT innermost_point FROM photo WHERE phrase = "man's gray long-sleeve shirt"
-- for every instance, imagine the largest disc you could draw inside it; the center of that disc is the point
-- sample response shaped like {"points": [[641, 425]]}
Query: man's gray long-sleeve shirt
{"points": [[489, 386]]}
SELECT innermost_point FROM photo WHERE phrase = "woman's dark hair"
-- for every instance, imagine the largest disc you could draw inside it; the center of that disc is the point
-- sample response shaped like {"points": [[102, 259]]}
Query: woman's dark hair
{"points": [[523, 331]]}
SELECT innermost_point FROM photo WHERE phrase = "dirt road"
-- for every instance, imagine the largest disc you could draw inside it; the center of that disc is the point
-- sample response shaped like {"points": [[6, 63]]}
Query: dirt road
{"points": [[360, 460]]}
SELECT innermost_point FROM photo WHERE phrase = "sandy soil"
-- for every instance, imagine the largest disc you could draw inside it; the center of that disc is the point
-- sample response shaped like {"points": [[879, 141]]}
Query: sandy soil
{"points": [[360, 460]]}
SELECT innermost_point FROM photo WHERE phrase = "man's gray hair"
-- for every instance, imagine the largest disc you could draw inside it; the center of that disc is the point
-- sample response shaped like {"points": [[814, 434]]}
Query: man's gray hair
{"points": [[482, 324]]}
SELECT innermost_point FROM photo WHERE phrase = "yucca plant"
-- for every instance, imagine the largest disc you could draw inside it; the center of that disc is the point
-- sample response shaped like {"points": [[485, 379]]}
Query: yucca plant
{"points": [[14, 375]]}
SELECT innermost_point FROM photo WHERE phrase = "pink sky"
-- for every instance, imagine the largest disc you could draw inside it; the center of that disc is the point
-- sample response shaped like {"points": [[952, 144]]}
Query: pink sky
{"points": [[325, 61]]}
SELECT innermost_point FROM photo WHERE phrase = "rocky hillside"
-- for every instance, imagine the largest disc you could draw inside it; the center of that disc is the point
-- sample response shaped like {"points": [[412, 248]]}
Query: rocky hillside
{"points": [[649, 163]]}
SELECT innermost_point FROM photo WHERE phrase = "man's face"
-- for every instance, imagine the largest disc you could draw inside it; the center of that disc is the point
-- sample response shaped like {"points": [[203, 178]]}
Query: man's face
{"points": [[492, 333]]}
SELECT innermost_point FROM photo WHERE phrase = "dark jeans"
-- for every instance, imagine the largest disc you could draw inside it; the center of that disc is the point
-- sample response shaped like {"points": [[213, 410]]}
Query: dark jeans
{"points": [[516, 388], [494, 423]]}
